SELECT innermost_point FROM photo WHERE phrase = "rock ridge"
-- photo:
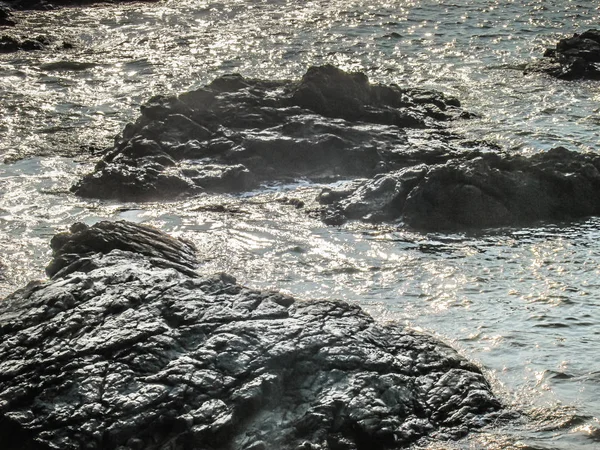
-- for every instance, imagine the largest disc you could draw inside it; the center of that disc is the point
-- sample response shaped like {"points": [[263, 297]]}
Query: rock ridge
{"points": [[237, 134], [475, 190]]}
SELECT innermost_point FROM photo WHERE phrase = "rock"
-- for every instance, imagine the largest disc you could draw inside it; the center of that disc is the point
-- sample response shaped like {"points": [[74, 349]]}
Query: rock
{"points": [[474, 191], [236, 133], [127, 348], [573, 58], [70, 250], [10, 44], [6, 18]]}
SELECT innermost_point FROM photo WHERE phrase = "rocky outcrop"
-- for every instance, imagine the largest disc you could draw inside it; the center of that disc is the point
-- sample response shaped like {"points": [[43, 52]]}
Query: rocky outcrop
{"points": [[236, 133], [6, 17], [10, 43], [577, 57], [126, 347], [475, 190]]}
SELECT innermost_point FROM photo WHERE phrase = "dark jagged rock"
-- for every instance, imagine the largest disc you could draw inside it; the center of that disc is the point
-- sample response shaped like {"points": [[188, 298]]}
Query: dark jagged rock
{"points": [[128, 351], [476, 190], [70, 250], [6, 18], [9, 43], [573, 58], [236, 133]]}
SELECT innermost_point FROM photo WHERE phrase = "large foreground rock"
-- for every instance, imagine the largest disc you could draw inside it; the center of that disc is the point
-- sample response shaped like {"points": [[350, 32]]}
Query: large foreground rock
{"points": [[126, 347], [475, 190], [237, 133], [577, 57]]}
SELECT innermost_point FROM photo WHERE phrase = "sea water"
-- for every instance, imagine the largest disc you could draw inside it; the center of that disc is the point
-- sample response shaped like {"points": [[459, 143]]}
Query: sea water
{"points": [[523, 303]]}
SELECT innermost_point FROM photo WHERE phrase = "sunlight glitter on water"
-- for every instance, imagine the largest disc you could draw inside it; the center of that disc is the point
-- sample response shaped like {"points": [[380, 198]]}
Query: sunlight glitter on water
{"points": [[522, 303]]}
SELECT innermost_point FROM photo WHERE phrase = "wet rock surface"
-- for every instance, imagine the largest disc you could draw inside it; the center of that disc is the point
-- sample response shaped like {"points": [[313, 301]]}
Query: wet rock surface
{"points": [[6, 17], [132, 350], [475, 190], [577, 57], [237, 133], [10, 43]]}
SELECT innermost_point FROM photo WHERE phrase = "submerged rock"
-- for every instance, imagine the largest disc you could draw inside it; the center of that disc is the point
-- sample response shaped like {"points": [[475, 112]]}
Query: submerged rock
{"points": [[476, 190], [236, 133], [125, 347], [573, 58]]}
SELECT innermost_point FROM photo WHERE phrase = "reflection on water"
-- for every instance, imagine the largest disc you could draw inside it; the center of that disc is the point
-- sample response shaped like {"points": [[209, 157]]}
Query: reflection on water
{"points": [[522, 303]]}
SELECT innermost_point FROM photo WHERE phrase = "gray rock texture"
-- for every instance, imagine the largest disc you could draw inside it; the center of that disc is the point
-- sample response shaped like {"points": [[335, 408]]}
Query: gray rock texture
{"points": [[474, 191], [237, 133], [126, 347]]}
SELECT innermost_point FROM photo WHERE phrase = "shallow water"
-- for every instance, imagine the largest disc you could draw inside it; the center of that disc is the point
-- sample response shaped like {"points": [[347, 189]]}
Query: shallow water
{"points": [[522, 303]]}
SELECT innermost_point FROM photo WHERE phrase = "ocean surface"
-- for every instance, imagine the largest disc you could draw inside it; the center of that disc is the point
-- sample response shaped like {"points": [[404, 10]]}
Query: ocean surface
{"points": [[523, 303]]}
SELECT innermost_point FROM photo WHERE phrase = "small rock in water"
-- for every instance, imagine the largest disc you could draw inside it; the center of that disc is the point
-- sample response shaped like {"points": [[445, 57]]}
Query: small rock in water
{"points": [[10, 44], [577, 57], [6, 18]]}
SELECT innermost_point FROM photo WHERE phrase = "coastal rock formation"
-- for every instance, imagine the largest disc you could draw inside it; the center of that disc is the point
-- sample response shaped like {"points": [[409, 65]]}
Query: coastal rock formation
{"points": [[6, 18], [9, 43], [127, 347], [577, 57], [476, 190], [236, 133]]}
